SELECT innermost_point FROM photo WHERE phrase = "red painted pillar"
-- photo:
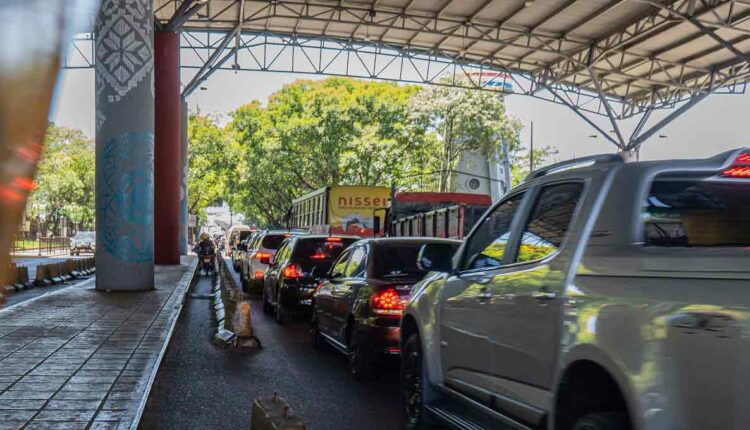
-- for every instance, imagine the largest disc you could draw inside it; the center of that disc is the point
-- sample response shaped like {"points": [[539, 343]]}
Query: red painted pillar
{"points": [[167, 148]]}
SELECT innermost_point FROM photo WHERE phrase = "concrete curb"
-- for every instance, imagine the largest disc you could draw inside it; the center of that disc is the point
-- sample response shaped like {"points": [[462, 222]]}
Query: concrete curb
{"points": [[187, 280]]}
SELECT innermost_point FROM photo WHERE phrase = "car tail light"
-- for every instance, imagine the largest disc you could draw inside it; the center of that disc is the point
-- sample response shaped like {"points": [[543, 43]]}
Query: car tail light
{"points": [[292, 271], [258, 275], [740, 167], [318, 256], [261, 255], [388, 302]]}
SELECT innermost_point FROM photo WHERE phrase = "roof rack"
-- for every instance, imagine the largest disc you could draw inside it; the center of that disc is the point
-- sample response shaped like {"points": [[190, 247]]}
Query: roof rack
{"points": [[575, 163]]}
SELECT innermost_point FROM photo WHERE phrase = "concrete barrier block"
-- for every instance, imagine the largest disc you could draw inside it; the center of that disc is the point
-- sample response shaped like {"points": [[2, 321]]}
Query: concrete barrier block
{"points": [[273, 413], [224, 338]]}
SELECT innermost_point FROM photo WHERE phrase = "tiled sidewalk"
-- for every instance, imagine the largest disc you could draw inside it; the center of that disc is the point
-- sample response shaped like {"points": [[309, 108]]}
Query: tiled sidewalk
{"points": [[81, 359]]}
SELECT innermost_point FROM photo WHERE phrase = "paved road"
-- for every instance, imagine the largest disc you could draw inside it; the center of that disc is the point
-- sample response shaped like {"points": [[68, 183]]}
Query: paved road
{"points": [[200, 386]]}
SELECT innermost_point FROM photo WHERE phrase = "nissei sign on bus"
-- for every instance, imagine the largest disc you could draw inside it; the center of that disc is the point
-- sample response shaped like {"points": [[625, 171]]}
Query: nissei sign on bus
{"points": [[350, 208], [346, 209]]}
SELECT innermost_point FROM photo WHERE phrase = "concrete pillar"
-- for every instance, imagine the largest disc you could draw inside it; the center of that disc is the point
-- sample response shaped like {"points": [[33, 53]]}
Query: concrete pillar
{"points": [[167, 148], [183, 177], [124, 145]]}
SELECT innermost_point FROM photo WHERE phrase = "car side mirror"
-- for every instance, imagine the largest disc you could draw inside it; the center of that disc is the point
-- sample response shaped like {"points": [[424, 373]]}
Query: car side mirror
{"points": [[435, 257]]}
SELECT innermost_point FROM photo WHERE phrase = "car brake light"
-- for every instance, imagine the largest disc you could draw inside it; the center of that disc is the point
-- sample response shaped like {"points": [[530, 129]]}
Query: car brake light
{"points": [[740, 167], [292, 271], [388, 302], [737, 172], [260, 255], [333, 239], [319, 256], [258, 275]]}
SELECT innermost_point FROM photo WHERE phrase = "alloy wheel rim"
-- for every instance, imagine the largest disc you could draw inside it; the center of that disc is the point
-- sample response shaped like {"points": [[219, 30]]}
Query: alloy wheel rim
{"points": [[413, 387]]}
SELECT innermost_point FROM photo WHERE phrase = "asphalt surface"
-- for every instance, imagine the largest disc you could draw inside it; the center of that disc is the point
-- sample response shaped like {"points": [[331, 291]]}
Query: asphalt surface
{"points": [[32, 262], [201, 386]]}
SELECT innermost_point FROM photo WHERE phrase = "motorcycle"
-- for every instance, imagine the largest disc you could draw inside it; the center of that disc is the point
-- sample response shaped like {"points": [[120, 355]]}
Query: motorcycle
{"points": [[207, 257]]}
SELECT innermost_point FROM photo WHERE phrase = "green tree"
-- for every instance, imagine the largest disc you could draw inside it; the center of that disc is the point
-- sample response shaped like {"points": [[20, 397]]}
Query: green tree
{"points": [[464, 120], [209, 163], [64, 180], [315, 133]]}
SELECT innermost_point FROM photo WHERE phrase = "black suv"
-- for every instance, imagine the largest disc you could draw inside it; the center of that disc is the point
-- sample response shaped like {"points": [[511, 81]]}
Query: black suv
{"points": [[295, 271], [357, 309]]}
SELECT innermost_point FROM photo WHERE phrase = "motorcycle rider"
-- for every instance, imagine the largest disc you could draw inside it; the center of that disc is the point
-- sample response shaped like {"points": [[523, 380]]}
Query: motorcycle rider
{"points": [[205, 248]]}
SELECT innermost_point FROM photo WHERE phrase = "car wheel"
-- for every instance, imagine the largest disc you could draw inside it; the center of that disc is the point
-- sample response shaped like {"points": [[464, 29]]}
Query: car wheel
{"points": [[603, 421], [415, 386], [267, 308], [360, 358], [282, 316], [315, 337]]}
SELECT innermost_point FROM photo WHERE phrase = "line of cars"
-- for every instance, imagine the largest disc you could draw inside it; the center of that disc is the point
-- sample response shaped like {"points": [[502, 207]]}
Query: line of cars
{"points": [[596, 295]]}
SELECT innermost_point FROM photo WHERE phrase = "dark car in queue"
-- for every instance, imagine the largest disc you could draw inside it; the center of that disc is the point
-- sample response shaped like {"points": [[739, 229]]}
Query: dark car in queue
{"points": [[299, 265], [257, 256], [358, 308]]}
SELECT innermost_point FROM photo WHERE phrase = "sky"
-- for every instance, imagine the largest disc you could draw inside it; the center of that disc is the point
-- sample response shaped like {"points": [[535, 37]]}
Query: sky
{"points": [[716, 124]]}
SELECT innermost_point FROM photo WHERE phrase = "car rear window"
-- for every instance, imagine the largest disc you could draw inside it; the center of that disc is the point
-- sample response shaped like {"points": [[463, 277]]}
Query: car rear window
{"points": [[321, 249], [697, 211], [396, 261], [273, 241]]}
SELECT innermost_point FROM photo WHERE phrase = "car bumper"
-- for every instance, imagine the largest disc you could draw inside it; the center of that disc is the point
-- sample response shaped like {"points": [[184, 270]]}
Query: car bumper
{"points": [[383, 334], [298, 298]]}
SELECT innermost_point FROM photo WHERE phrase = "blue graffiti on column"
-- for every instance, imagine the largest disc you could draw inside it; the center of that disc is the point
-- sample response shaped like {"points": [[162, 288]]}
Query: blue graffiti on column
{"points": [[125, 202]]}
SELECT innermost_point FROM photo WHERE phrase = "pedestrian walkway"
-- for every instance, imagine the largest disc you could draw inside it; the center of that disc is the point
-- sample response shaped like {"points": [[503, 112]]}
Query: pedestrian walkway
{"points": [[82, 359]]}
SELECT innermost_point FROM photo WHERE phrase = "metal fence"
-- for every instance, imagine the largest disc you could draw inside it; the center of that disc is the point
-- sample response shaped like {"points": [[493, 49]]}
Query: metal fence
{"points": [[31, 245]]}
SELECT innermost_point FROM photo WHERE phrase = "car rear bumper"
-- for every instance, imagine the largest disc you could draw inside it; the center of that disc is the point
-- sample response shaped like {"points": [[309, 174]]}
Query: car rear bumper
{"points": [[298, 298], [383, 334]]}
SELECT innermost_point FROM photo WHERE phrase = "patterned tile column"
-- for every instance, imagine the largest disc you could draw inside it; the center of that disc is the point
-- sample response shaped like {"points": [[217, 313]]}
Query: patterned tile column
{"points": [[183, 177], [125, 145]]}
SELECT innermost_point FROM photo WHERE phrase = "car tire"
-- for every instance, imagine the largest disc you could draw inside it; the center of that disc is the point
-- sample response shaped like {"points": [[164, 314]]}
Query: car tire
{"points": [[282, 316], [361, 364], [603, 421], [315, 337], [267, 308], [416, 390], [243, 283]]}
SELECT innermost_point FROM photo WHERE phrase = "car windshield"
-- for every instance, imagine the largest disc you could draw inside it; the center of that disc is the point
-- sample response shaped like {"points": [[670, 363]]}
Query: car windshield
{"points": [[85, 235], [396, 260], [697, 211]]}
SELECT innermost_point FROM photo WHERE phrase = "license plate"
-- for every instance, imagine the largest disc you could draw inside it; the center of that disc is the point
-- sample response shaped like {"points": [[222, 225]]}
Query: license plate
{"points": [[305, 302]]}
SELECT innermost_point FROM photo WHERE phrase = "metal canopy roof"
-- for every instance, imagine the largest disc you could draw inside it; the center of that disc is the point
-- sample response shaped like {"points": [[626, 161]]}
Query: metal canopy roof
{"points": [[618, 58], [637, 51]]}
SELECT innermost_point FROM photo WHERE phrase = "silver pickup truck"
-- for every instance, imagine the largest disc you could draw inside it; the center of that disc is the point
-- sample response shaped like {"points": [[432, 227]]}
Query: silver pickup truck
{"points": [[596, 295]]}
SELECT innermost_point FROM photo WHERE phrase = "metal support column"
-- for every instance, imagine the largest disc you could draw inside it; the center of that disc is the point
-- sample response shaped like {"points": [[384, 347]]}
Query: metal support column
{"points": [[124, 145], [167, 169], [183, 177]]}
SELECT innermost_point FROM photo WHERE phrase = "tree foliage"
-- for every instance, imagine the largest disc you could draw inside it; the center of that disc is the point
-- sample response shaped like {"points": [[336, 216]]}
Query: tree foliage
{"points": [[64, 180], [341, 131]]}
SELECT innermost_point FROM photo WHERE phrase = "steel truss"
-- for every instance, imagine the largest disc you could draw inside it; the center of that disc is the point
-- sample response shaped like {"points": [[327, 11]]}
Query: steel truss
{"points": [[589, 77]]}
